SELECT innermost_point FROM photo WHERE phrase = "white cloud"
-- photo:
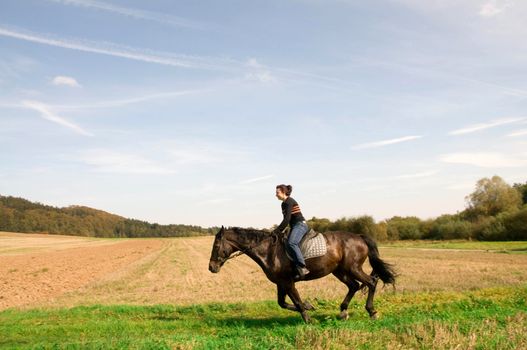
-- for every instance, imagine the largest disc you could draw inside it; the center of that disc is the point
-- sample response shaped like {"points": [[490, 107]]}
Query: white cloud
{"points": [[47, 114], [134, 13], [417, 175], [483, 126], [261, 73], [262, 77], [385, 142], [491, 9], [199, 152], [485, 159], [124, 52], [12, 65], [131, 100], [518, 133], [109, 161], [216, 201], [261, 178], [253, 63], [64, 80]]}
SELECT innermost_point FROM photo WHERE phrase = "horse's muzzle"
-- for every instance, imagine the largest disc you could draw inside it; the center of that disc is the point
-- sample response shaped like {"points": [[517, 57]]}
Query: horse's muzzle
{"points": [[214, 267]]}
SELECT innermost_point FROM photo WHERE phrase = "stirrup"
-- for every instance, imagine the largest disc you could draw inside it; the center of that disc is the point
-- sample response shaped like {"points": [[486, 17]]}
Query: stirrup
{"points": [[301, 273]]}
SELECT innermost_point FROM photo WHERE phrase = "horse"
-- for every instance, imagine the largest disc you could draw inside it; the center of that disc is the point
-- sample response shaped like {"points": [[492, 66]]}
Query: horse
{"points": [[346, 253]]}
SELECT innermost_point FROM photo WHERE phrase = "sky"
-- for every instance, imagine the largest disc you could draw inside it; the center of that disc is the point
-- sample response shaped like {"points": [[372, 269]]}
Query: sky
{"points": [[191, 112]]}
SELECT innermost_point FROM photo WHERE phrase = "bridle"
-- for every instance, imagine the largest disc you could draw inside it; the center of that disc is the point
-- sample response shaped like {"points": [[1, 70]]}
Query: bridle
{"points": [[242, 251]]}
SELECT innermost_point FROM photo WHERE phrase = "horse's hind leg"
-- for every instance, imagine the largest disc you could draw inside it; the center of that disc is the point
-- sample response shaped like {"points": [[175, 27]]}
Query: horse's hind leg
{"points": [[353, 287], [371, 293], [371, 283]]}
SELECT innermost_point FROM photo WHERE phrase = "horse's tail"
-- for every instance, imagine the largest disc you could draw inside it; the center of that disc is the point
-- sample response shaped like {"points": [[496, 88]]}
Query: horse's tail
{"points": [[384, 270]]}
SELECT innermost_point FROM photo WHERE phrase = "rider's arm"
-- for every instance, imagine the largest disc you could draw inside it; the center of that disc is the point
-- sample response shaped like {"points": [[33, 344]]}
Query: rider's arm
{"points": [[287, 208]]}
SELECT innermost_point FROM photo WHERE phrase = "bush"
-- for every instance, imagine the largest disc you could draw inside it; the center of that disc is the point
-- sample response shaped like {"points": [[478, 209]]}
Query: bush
{"points": [[319, 225], [404, 228], [516, 225], [449, 227]]}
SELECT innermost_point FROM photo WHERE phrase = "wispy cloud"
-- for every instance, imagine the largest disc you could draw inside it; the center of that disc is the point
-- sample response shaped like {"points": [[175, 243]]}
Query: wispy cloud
{"points": [[48, 114], [109, 161], [64, 80], [492, 8], [385, 142], [199, 152], [260, 72], [263, 77], [417, 175], [522, 132], [257, 179], [134, 13], [11, 66], [130, 100], [426, 71], [110, 49], [485, 159], [110, 103], [483, 126], [216, 201]]}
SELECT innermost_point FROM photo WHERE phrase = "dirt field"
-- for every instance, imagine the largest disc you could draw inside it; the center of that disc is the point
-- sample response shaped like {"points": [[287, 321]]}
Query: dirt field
{"points": [[37, 270]]}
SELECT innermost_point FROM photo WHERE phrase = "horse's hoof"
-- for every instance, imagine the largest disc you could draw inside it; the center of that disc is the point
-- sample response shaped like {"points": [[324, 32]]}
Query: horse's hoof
{"points": [[374, 316], [343, 315], [308, 306], [306, 317]]}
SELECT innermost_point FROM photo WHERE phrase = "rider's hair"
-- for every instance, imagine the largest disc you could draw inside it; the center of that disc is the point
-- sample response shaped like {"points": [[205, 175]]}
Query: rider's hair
{"points": [[287, 189]]}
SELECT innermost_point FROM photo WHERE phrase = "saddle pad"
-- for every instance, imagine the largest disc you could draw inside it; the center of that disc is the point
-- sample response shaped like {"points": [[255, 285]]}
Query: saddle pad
{"points": [[312, 247]]}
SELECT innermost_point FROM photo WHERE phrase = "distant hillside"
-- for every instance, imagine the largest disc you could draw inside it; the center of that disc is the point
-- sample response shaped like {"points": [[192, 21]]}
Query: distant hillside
{"points": [[21, 215]]}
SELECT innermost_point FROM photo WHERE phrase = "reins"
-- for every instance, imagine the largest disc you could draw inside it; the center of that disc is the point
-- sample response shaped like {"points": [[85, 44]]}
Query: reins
{"points": [[244, 251]]}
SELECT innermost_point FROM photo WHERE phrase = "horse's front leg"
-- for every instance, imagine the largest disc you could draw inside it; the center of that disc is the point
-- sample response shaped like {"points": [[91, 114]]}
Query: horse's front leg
{"points": [[295, 297], [285, 305], [281, 299]]}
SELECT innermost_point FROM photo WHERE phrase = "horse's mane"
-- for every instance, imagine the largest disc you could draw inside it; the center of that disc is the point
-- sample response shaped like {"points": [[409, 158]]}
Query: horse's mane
{"points": [[250, 234]]}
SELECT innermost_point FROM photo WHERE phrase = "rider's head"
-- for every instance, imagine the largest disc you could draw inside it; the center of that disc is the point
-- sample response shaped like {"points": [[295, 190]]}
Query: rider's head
{"points": [[283, 191]]}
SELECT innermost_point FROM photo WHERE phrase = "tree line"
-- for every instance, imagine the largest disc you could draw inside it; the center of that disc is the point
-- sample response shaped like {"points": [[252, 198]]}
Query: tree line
{"points": [[495, 211], [21, 215]]}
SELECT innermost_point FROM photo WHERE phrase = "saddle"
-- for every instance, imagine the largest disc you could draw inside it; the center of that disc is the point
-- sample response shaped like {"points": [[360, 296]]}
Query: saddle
{"points": [[312, 245]]}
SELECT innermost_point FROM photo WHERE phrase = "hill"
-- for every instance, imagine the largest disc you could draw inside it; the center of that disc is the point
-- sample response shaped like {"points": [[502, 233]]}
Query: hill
{"points": [[21, 215]]}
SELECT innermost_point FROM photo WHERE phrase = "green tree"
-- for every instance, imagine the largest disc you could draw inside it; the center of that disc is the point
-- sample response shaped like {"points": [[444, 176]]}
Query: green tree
{"points": [[449, 227], [319, 224], [522, 188], [491, 197], [404, 228]]}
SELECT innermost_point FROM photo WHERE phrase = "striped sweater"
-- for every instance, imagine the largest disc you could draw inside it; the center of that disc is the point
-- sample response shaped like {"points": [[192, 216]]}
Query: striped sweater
{"points": [[292, 214]]}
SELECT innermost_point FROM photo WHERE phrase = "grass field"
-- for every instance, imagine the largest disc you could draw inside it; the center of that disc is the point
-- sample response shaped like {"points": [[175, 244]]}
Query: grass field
{"points": [[503, 247], [159, 294], [487, 319]]}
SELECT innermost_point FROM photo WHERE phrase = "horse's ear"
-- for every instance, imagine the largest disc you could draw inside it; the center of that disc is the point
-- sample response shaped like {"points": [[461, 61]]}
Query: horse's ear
{"points": [[222, 230]]}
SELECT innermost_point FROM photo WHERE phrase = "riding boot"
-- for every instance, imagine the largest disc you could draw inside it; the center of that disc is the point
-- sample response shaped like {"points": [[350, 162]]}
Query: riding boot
{"points": [[301, 272]]}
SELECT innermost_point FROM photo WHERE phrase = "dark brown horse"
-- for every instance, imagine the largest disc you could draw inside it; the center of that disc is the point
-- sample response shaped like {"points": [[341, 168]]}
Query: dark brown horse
{"points": [[346, 254]]}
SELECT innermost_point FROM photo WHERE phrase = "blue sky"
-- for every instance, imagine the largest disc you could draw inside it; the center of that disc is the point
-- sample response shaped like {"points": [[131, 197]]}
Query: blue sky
{"points": [[191, 112]]}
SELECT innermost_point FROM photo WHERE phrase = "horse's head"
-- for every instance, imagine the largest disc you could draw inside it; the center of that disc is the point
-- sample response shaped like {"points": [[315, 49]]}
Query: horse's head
{"points": [[221, 250]]}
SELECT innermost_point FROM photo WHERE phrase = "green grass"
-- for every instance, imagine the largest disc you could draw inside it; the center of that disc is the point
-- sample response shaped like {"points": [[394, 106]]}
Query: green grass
{"points": [[509, 246], [485, 319]]}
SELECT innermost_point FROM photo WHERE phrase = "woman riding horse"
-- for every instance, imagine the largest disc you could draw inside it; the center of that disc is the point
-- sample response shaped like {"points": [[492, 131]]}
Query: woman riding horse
{"points": [[294, 218], [346, 253]]}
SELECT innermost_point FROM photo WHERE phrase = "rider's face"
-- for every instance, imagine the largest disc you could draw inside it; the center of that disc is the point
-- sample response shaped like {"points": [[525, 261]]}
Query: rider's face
{"points": [[280, 195]]}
